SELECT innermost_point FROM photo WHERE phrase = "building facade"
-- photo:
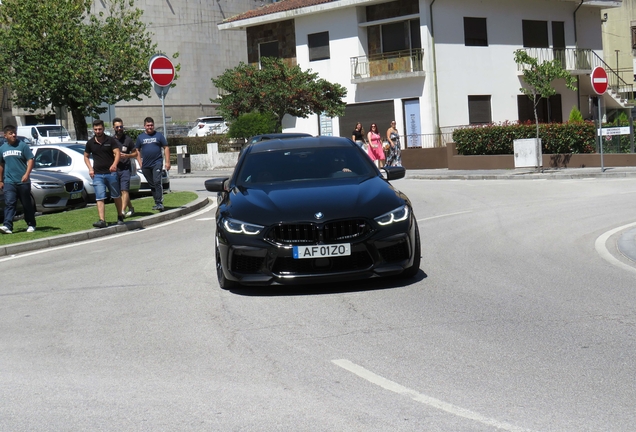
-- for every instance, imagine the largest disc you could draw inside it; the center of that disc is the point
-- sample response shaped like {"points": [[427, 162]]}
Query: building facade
{"points": [[432, 65]]}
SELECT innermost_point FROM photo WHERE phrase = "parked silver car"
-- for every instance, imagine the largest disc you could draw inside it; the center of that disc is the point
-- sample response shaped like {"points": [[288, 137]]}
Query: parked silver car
{"points": [[51, 192], [68, 158]]}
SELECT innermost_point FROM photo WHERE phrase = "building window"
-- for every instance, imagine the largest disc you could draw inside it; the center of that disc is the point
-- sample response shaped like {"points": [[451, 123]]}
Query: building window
{"points": [[548, 110], [475, 33], [401, 36], [535, 34], [268, 49], [318, 44], [479, 110], [633, 36]]}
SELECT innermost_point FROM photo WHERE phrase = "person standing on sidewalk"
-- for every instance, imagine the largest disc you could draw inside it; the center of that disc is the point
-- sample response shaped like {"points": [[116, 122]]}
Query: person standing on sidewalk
{"points": [[16, 163], [150, 145], [127, 151], [105, 151]]}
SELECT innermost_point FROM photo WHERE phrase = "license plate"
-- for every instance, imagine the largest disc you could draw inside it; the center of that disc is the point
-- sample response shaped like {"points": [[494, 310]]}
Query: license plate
{"points": [[322, 251], [76, 195]]}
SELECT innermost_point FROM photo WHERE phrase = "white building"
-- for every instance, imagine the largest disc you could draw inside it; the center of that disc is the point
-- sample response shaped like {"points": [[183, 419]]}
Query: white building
{"points": [[432, 65]]}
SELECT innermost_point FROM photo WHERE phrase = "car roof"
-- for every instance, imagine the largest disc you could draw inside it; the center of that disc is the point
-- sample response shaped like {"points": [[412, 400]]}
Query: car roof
{"points": [[271, 136], [301, 142]]}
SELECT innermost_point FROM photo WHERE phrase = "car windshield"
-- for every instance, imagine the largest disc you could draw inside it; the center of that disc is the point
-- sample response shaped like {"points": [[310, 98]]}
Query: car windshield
{"points": [[78, 148], [52, 131], [303, 164]]}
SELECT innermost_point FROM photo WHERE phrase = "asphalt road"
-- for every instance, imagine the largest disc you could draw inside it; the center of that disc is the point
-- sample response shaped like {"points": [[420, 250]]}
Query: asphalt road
{"points": [[519, 321]]}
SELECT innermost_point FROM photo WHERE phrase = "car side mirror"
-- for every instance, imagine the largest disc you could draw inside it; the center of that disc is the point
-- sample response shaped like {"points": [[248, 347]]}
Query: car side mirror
{"points": [[216, 184], [393, 172]]}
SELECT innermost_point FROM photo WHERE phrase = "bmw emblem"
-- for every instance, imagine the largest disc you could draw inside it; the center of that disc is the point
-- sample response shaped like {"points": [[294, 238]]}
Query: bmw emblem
{"points": [[319, 215]]}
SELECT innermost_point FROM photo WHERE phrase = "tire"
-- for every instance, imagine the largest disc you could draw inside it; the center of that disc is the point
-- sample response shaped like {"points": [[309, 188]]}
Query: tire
{"points": [[411, 271], [224, 283]]}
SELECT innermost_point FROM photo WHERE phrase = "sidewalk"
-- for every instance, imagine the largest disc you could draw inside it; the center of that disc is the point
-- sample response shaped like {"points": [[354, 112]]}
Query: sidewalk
{"points": [[446, 174]]}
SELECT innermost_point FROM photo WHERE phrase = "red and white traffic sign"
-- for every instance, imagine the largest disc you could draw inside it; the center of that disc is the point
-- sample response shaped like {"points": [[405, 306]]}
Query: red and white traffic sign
{"points": [[161, 70], [599, 80]]}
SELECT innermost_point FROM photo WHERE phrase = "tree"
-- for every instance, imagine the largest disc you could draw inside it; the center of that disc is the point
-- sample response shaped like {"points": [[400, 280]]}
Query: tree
{"points": [[251, 124], [278, 89], [539, 76], [56, 53]]}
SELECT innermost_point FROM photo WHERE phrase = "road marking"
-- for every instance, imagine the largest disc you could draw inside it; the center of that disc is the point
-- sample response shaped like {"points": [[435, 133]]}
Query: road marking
{"points": [[206, 219], [444, 215], [602, 250], [426, 400], [100, 239]]}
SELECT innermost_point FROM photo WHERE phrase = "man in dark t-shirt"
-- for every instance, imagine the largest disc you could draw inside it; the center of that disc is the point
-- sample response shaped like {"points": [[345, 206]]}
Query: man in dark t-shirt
{"points": [[150, 144], [103, 171], [127, 151]]}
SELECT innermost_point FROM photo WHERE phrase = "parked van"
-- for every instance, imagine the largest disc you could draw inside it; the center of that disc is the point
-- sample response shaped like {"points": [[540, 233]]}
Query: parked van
{"points": [[45, 134]]}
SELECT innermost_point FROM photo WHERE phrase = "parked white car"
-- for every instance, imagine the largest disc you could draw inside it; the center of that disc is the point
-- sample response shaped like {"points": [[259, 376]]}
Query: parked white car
{"points": [[212, 125], [45, 134], [69, 159], [144, 187]]}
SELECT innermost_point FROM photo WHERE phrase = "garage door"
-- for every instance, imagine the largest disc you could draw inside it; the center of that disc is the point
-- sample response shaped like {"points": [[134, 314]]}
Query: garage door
{"points": [[380, 113]]}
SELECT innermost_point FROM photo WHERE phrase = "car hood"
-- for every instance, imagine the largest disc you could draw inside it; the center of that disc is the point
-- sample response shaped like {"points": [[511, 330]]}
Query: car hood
{"points": [[52, 176], [289, 202]]}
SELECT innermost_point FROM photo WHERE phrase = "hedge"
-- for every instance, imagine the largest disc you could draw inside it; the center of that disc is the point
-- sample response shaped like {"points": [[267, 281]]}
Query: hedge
{"points": [[556, 138]]}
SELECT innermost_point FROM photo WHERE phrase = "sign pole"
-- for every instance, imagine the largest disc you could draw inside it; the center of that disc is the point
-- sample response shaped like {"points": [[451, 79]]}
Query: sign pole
{"points": [[600, 133]]}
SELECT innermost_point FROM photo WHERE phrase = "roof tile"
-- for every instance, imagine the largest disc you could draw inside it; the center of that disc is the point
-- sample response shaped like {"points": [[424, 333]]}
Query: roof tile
{"points": [[280, 6]]}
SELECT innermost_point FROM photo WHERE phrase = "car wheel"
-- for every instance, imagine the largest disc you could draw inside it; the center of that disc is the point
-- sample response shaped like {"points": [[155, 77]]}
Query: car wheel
{"points": [[417, 253], [224, 283]]}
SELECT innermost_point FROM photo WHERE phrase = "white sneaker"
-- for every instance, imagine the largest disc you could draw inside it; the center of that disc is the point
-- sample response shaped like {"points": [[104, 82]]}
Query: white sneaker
{"points": [[130, 212], [30, 229], [5, 230]]}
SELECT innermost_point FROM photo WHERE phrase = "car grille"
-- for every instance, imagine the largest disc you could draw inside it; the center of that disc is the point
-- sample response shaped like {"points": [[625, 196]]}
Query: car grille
{"points": [[310, 233], [246, 263], [395, 253], [290, 266], [74, 186]]}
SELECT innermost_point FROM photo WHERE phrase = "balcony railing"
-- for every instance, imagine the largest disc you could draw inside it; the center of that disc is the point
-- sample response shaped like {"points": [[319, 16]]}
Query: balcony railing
{"points": [[387, 64], [571, 59], [583, 61]]}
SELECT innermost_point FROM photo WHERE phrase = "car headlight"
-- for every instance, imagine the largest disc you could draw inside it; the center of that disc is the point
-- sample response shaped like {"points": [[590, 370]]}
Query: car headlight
{"points": [[237, 227], [45, 185], [398, 215]]}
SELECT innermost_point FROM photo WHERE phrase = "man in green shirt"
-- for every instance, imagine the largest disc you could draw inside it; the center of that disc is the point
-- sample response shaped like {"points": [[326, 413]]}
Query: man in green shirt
{"points": [[16, 163]]}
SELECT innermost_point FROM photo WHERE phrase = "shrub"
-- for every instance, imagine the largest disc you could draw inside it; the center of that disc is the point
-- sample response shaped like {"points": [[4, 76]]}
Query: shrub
{"points": [[498, 139], [251, 124], [575, 116]]}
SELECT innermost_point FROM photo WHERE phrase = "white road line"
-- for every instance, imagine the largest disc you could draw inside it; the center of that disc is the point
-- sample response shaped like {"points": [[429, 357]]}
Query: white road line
{"points": [[206, 219], [602, 250], [100, 239], [444, 215], [426, 400]]}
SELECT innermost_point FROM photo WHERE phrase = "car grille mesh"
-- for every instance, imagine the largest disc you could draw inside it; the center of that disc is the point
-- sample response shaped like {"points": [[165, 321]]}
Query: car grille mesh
{"points": [[74, 186], [246, 263], [310, 233], [395, 253]]}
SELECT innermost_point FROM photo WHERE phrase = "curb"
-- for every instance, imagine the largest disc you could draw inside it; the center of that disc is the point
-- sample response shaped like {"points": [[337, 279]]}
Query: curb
{"points": [[90, 234], [527, 176]]}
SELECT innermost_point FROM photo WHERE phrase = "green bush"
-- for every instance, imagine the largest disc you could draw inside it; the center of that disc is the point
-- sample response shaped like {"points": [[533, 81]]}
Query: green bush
{"points": [[575, 115], [251, 124], [556, 138]]}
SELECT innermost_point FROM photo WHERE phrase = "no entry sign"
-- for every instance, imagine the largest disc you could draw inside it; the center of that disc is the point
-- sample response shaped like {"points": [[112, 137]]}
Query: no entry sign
{"points": [[161, 70], [599, 80]]}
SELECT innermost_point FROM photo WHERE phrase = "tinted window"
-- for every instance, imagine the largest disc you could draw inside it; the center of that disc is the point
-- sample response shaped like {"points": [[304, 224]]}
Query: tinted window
{"points": [[318, 46], [535, 34], [303, 164], [475, 33]]}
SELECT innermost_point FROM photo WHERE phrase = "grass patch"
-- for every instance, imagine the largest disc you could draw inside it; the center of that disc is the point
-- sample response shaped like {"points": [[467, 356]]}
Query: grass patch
{"points": [[79, 220]]}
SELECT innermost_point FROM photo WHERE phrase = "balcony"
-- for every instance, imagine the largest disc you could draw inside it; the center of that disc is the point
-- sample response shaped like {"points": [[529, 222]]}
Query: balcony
{"points": [[574, 60], [387, 66]]}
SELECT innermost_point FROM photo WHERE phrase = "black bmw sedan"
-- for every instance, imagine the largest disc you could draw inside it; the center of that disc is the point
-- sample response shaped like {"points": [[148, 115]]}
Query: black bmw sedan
{"points": [[311, 210]]}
